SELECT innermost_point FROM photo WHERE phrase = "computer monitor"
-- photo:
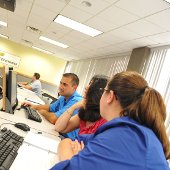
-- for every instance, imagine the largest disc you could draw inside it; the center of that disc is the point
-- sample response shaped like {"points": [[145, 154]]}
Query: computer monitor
{"points": [[9, 90]]}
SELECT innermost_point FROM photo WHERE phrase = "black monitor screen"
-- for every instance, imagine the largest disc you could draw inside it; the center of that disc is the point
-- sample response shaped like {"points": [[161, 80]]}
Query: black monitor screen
{"points": [[11, 89]]}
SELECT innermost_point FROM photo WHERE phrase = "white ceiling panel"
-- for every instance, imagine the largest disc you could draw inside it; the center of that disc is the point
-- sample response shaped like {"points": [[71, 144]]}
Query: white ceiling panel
{"points": [[161, 38], [109, 38], [41, 12], [52, 5], [139, 28], [142, 8], [126, 24], [117, 16], [75, 14], [74, 38], [124, 34], [161, 19], [100, 24], [96, 7]]}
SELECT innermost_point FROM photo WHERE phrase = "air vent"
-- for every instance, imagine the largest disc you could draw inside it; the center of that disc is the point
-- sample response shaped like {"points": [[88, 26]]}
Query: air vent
{"points": [[34, 30], [26, 42]]}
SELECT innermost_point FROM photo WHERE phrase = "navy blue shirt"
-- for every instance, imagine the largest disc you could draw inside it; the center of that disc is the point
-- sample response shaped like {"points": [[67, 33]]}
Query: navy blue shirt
{"points": [[61, 105], [120, 144]]}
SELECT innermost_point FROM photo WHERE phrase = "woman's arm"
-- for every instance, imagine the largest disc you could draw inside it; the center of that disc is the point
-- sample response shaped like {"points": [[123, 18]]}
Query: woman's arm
{"points": [[68, 148], [65, 123]]}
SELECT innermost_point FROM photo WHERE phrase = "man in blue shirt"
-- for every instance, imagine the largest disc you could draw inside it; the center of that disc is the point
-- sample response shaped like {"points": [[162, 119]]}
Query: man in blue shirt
{"points": [[68, 97]]}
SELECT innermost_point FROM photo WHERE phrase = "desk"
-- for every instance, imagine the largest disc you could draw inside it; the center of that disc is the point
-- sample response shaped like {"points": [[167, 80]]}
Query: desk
{"points": [[26, 95], [23, 160], [45, 127]]}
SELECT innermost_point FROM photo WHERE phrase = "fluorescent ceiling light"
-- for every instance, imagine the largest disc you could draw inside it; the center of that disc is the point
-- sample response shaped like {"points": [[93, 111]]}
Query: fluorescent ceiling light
{"points": [[4, 36], [3, 23], [77, 26], [167, 1], [45, 51], [53, 42]]}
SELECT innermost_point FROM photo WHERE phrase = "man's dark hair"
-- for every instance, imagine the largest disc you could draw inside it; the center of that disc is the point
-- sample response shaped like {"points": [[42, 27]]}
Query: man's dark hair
{"points": [[37, 75], [74, 77], [92, 108]]}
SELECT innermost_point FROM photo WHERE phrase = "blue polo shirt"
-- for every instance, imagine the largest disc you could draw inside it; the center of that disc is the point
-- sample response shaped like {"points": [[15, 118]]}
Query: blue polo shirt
{"points": [[120, 144], [61, 105]]}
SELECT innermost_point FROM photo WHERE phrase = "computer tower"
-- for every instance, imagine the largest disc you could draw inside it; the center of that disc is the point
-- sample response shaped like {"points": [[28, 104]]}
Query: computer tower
{"points": [[8, 4]]}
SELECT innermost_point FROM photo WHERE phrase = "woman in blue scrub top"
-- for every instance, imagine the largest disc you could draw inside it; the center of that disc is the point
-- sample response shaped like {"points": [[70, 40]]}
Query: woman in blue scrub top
{"points": [[134, 138]]}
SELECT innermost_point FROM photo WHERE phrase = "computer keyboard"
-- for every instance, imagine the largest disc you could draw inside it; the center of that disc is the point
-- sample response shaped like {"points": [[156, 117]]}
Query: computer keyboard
{"points": [[32, 114], [9, 145]]}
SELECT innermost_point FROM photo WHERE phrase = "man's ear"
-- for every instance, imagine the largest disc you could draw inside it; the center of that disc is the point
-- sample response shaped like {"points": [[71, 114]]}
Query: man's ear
{"points": [[75, 87]]}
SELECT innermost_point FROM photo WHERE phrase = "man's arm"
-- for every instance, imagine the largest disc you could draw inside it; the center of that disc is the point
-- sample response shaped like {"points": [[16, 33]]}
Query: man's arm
{"points": [[26, 86], [37, 107], [44, 110], [23, 83], [50, 116]]}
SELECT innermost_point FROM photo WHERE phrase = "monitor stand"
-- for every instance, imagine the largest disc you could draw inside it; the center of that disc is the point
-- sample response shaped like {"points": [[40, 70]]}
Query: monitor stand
{"points": [[8, 107]]}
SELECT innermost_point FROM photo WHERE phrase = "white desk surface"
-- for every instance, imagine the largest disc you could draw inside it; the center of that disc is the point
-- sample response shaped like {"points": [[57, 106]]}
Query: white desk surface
{"points": [[23, 94], [20, 116], [46, 128]]}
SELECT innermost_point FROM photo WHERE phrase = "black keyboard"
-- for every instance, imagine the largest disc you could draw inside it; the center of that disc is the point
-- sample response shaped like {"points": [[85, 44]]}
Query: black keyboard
{"points": [[32, 114], [9, 145]]}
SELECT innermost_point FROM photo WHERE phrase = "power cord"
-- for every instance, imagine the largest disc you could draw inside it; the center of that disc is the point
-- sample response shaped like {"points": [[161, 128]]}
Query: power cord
{"points": [[6, 124]]}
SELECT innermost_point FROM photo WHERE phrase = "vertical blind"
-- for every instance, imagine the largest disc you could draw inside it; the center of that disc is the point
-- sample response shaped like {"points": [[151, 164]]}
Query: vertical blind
{"points": [[86, 69]]}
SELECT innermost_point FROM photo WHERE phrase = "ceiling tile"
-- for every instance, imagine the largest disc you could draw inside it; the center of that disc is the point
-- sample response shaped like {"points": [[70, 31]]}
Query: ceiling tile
{"points": [[117, 16], [74, 37], [124, 34], [161, 19], [96, 7], [161, 38], [142, 7], [75, 14], [144, 28], [100, 24], [53, 5], [42, 12]]}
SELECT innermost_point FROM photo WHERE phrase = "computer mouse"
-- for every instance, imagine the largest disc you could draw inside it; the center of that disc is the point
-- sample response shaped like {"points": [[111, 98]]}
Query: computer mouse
{"points": [[22, 126]]}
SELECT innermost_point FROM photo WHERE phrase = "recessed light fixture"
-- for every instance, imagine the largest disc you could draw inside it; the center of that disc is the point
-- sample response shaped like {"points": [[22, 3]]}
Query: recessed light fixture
{"points": [[53, 42], [77, 26], [45, 51], [4, 36], [167, 1], [3, 23], [86, 4]]}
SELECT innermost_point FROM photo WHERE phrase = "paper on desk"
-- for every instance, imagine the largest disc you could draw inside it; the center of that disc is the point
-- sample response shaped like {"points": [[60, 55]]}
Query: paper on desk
{"points": [[36, 101], [42, 142]]}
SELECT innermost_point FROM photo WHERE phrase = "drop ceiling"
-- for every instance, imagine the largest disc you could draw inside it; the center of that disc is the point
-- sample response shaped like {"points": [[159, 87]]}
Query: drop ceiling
{"points": [[126, 24]]}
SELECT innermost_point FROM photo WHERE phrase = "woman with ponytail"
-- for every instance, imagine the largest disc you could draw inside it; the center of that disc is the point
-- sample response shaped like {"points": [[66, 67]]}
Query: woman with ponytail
{"points": [[134, 138]]}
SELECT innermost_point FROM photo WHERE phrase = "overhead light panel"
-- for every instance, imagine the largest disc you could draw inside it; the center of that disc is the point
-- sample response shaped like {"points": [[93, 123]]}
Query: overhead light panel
{"points": [[4, 36], [3, 23], [53, 42], [77, 26], [45, 51]]}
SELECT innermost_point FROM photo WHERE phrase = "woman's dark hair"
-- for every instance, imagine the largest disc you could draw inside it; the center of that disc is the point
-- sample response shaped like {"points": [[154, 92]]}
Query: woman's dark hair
{"points": [[142, 103], [92, 108]]}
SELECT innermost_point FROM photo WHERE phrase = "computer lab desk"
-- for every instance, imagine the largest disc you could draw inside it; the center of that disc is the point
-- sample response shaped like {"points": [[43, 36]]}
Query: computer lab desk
{"points": [[33, 155], [45, 128]]}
